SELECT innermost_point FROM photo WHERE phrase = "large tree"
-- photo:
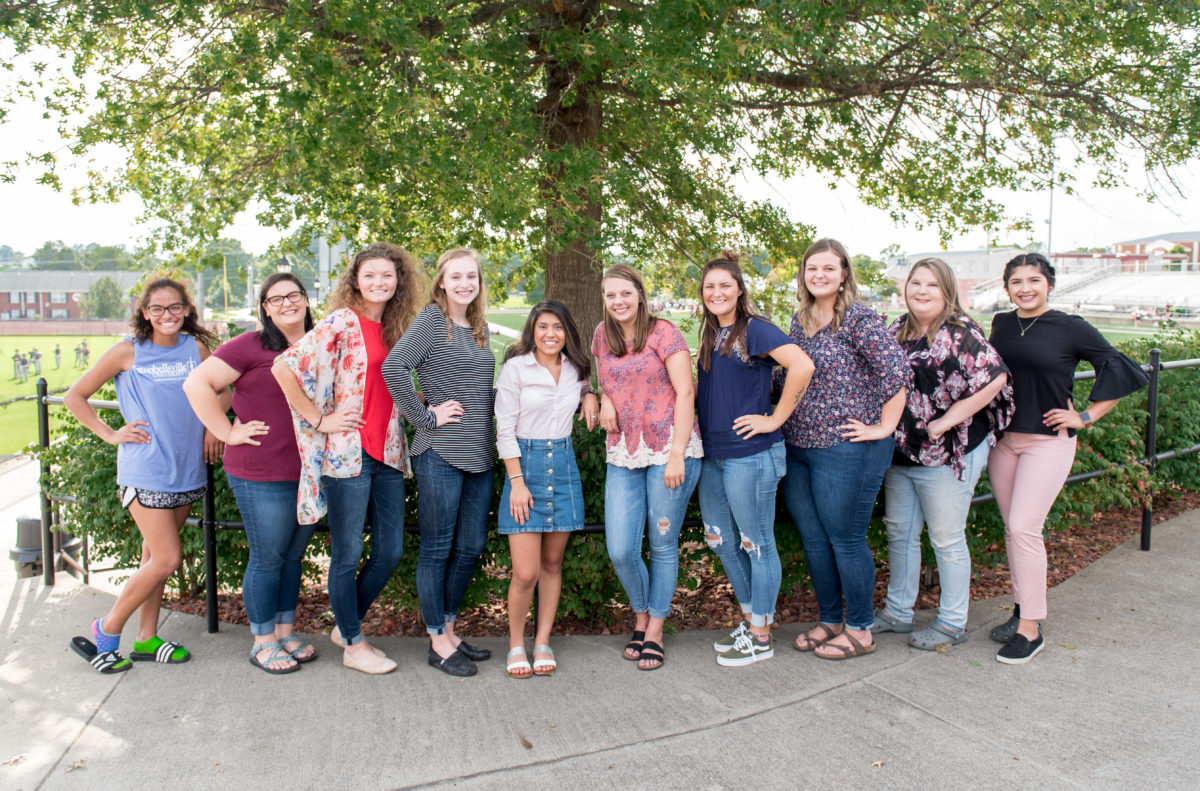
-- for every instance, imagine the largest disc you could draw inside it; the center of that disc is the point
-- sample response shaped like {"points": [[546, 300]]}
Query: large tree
{"points": [[571, 131]]}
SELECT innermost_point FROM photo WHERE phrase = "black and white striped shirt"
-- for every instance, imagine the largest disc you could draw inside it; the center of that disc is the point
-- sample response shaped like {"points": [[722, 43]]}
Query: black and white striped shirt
{"points": [[457, 370]]}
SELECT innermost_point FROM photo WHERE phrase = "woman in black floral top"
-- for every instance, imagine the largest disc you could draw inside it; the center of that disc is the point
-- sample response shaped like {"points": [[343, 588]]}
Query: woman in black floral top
{"points": [[960, 397]]}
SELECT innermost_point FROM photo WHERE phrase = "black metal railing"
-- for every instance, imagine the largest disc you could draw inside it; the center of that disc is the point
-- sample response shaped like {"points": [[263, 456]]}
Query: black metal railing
{"points": [[210, 524]]}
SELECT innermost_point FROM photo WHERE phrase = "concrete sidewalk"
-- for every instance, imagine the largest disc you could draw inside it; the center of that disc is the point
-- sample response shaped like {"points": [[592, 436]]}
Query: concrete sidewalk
{"points": [[1112, 701]]}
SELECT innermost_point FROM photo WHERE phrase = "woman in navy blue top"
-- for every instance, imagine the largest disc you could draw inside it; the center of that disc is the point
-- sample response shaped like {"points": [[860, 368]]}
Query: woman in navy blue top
{"points": [[744, 456]]}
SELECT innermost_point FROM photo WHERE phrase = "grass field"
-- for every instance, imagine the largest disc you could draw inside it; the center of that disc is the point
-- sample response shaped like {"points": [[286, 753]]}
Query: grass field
{"points": [[18, 421]]}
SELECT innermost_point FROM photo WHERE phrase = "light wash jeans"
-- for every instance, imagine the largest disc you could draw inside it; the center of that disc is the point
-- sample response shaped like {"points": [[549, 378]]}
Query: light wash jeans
{"points": [[737, 503], [637, 502], [919, 496]]}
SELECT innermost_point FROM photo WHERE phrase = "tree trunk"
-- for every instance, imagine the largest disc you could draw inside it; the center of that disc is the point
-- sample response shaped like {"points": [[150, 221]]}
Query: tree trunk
{"points": [[572, 268]]}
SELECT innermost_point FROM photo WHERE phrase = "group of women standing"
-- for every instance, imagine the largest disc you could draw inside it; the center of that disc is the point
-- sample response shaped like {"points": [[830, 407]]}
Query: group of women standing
{"points": [[916, 408]]}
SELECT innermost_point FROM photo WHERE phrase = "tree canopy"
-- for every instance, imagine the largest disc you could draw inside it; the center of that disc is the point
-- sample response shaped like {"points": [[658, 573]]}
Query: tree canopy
{"points": [[568, 132]]}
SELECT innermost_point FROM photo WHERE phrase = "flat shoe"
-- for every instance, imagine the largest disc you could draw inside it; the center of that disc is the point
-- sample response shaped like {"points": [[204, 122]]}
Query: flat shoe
{"points": [[653, 652], [303, 644], [456, 664], [544, 667], [108, 662], [886, 622], [936, 636], [335, 637], [812, 643], [473, 653], [372, 665], [634, 644], [518, 664], [848, 652], [278, 654]]}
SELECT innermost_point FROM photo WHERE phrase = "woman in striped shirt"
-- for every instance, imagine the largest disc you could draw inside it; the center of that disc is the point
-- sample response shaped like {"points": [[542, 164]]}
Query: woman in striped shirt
{"points": [[447, 346]]}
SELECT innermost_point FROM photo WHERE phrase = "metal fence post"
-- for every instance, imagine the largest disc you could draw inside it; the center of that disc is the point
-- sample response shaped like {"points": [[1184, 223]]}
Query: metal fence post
{"points": [[44, 442], [209, 522], [1151, 445]]}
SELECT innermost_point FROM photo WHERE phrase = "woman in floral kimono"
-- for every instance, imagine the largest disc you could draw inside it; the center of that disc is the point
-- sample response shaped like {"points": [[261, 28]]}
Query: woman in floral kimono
{"points": [[352, 448], [960, 398]]}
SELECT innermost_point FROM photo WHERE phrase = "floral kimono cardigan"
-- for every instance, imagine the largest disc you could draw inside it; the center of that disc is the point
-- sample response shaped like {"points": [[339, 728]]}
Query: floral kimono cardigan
{"points": [[330, 362]]}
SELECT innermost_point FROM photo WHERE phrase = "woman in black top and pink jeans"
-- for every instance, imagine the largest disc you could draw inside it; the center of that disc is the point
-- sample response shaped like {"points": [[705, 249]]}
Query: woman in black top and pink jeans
{"points": [[1030, 463]]}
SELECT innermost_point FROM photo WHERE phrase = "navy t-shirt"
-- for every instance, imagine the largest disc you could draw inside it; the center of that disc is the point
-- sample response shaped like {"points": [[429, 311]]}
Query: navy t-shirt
{"points": [[738, 384]]}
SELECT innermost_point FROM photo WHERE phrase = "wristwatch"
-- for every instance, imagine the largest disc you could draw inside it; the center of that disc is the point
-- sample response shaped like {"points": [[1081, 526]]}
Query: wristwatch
{"points": [[1085, 417]]}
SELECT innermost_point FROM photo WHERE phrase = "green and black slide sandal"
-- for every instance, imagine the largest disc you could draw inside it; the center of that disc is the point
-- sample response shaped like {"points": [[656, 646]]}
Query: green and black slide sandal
{"points": [[108, 662], [157, 649]]}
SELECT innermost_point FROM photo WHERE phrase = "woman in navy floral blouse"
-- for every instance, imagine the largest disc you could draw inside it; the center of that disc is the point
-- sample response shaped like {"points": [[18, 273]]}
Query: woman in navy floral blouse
{"points": [[959, 399], [839, 444]]}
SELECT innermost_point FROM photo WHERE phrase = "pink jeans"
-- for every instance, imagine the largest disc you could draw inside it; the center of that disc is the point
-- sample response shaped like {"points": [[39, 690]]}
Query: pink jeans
{"points": [[1027, 472]]}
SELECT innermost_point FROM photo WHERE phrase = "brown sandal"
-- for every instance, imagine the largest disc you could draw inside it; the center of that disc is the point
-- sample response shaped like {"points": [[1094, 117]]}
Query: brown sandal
{"points": [[848, 652], [811, 643]]}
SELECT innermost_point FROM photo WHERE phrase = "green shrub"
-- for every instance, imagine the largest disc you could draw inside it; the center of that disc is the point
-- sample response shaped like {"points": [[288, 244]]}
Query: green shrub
{"points": [[85, 466]]}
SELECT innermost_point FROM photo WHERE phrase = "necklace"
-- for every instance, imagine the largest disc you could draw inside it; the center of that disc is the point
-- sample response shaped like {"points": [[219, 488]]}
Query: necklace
{"points": [[1025, 329]]}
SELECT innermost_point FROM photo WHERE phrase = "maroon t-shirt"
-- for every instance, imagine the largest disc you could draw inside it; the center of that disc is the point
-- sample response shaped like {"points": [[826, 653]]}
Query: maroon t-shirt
{"points": [[377, 401], [256, 396]]}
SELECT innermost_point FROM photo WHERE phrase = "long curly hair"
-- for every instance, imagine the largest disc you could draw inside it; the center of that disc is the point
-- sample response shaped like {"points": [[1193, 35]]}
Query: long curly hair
{"points": [[141, 328], [847, 296], [476, 311], [405, 303]]}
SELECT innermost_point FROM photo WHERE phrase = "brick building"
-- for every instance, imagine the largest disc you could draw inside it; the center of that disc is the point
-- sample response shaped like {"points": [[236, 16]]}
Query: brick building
{"points": [[52, 294]]}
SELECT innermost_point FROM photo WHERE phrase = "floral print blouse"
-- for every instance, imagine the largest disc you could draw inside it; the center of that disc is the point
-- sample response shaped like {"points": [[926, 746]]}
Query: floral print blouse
{"points": [[330, 362], [859, 368], [958, 364], [640, 389]]}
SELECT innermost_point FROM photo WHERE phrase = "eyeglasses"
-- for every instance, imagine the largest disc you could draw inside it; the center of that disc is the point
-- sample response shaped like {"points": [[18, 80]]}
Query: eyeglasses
{"points": [[175, 309], [296, 297]]}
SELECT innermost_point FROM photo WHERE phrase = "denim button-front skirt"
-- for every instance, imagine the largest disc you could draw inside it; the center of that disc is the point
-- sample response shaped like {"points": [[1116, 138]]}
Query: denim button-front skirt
{"points": [[553, 479]]}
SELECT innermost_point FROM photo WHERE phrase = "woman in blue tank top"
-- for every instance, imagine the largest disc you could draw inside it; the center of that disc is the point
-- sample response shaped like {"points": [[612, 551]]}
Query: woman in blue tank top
{"points": [[161, 451]]}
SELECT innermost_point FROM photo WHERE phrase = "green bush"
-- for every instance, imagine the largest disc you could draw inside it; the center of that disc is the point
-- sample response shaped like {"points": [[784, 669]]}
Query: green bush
{"points": [[84, 466]]}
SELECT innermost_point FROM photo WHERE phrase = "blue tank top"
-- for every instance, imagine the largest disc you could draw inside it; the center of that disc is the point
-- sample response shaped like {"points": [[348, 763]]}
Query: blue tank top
{"points": [[152, 390]]}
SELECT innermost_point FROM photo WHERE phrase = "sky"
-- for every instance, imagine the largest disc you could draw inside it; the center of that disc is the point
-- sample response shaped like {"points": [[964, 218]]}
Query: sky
{"points": [[33, 214]]}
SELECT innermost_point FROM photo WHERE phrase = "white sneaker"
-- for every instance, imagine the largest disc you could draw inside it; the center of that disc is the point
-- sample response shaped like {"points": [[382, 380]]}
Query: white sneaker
{"points": [[726, 642]]}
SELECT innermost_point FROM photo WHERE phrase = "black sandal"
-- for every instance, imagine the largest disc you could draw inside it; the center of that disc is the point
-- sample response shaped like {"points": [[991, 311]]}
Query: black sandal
{"points": [[654, 652], [635, 644]]}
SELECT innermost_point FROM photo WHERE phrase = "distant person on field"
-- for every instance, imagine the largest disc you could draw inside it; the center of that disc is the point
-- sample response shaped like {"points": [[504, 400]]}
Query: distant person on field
{"points": [[57, 357], [87, 354], [36, 357], [17, 365], [78, 356]]}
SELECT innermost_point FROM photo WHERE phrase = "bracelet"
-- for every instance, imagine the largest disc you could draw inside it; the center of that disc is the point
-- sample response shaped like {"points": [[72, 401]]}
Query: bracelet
{"points": [[320, 420], [518, 475]]}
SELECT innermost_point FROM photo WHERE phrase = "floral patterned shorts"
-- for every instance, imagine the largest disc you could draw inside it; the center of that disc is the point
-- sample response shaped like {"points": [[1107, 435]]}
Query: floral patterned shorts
{"points": [[150, 499]]}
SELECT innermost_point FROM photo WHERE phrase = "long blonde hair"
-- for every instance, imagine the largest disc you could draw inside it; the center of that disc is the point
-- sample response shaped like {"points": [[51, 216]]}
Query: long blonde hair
{"points": [[848, 294], [405, 303], [643, 322], [476, 311], [952, 313]]}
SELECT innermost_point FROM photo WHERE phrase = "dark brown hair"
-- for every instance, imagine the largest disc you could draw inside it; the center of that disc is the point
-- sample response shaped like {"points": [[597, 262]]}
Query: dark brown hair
{"points": [[141, 328], [270, 337], [573, 348], [727, 262]]}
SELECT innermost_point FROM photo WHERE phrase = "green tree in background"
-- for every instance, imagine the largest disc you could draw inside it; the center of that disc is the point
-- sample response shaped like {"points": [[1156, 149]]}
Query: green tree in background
{"points": [[568, 131], [105, 300]]}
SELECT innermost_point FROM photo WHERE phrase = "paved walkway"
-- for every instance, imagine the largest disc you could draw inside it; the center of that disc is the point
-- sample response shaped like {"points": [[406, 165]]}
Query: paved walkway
{"points": [[1113, 701]]}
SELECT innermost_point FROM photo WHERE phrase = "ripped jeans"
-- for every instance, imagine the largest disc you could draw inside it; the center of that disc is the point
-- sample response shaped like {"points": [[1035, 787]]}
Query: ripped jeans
{"points": [[737, 503], [637, 502]]}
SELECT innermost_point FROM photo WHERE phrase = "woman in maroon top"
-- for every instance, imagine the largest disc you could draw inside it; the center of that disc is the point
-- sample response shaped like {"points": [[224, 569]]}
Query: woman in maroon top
{"points": [[263, 466]]}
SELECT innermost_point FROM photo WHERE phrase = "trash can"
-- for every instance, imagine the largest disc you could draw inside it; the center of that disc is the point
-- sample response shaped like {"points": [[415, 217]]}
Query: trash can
{"points": [[27, 553]]}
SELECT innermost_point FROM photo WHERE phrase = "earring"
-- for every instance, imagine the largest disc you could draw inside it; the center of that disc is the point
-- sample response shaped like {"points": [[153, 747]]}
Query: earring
{"points": [[841, 288]]}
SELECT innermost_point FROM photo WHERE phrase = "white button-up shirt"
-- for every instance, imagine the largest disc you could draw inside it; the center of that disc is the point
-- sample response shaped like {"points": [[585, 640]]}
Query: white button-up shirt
{"points": [[531, 405]]}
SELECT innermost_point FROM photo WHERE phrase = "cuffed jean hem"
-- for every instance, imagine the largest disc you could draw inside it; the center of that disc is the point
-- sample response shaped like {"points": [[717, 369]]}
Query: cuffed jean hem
{"points": [[433, 631], [288, 617], [355, 640], [761, 620], [262, 629]]}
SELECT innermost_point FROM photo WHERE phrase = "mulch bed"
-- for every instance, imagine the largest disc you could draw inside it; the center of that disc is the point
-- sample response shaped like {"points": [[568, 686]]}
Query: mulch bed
{"points": [[711, 605]]}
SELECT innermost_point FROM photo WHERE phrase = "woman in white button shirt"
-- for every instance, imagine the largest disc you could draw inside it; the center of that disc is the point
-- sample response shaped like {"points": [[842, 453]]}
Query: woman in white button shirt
{"points": [[544, 378]]}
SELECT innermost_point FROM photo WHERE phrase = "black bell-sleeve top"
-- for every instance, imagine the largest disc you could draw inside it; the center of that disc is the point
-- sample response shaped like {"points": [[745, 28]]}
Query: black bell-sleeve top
{"points": [[1043, 362]]}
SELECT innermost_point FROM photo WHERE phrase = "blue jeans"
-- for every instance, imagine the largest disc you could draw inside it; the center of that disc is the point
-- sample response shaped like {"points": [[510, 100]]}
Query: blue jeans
{"points": [[454, 510], [914, 497], [277, 542], [830, 493], [375, 495], [633, 500], [737, 503]]}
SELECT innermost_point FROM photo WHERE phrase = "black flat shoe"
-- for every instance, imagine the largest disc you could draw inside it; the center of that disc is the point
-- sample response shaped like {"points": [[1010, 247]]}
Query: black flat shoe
{"points": [[456, 664], [473, 653]]}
